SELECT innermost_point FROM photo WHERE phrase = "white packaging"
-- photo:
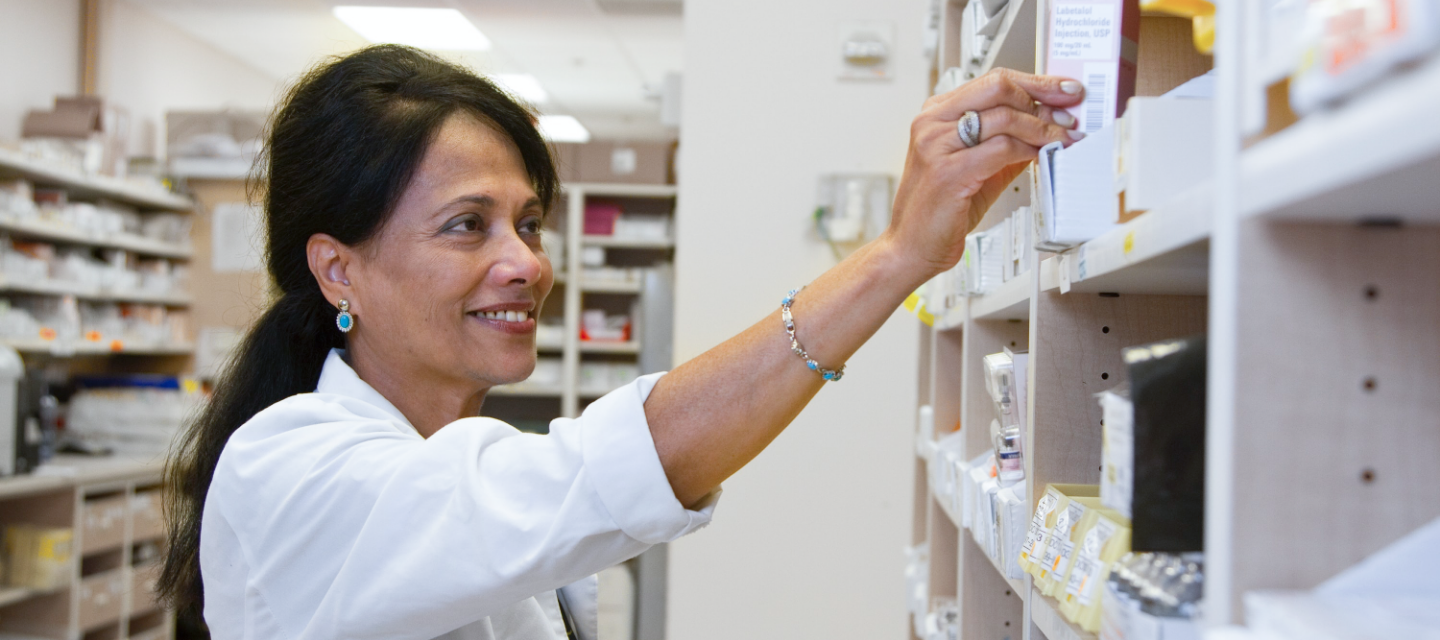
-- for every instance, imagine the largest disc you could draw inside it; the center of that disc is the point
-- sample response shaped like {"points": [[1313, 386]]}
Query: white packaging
{"points": [[1117, 474], [1348, 44], [1163, 146], [1077, 196], [1013, 521]]}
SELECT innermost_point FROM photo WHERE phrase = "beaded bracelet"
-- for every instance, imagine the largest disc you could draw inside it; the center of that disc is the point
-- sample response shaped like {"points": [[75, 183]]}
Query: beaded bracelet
{"points": [[831, 375]]}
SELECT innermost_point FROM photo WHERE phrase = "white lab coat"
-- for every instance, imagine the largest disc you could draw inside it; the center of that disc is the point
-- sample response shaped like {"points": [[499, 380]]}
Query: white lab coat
{"points": [[330, 517]]}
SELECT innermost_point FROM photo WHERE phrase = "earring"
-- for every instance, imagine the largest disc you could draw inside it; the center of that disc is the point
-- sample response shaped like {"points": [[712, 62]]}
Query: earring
{"points": [[345, 321]]}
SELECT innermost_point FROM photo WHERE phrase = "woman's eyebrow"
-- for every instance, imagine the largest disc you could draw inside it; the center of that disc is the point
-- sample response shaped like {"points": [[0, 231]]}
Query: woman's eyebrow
{"points": [[484, 202]]}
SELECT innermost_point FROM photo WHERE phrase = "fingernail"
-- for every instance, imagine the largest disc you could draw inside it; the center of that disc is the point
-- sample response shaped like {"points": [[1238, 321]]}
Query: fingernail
{"points": [[1076, 135], [1064, 119], [1071, 87]]}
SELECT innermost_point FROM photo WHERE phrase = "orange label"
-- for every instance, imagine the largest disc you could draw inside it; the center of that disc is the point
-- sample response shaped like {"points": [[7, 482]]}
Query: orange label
{"points": [[46, 333], [116, 345], [92, 336]]}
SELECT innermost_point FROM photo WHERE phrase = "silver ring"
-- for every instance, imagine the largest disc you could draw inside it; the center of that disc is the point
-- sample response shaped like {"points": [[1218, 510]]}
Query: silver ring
{"points": [[969, 129]]}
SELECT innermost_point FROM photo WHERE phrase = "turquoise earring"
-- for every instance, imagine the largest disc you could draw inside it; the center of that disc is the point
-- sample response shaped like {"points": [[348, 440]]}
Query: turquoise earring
{"points": [[345, 321]]}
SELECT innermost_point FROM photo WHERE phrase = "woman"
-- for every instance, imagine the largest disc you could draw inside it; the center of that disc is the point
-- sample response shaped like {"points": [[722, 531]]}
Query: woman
{"points": [[339, 483]]}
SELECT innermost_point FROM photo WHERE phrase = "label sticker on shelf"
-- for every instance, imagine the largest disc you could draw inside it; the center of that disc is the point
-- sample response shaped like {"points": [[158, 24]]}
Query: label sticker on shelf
{"points": [[1129, 242], [1080, 265], [1063, 266]]}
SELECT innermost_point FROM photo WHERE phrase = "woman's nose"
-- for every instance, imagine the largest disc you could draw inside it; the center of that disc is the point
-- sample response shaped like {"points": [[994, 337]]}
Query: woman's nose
{"points": [[517, 263]]}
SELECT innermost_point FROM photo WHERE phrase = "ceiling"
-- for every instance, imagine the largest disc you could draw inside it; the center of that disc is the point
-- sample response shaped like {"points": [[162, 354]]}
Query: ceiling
{"points": [[601, 61]]}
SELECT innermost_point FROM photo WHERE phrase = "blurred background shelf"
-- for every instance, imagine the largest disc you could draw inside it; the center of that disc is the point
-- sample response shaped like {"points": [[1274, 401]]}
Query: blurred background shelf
{"points": [[1374, 158], [55, 233], [15, 165]]}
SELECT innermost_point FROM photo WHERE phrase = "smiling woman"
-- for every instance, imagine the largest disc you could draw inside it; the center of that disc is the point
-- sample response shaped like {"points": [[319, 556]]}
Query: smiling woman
{"points": [[340, 484]]}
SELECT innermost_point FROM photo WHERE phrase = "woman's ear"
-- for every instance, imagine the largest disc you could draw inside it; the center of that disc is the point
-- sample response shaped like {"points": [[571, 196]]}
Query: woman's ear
{"points": [[329, 258]]}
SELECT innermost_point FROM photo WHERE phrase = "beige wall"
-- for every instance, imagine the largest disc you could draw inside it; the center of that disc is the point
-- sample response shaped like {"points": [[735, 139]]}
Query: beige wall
{"points": [[149, 66], [40, 47], [807, 542]]}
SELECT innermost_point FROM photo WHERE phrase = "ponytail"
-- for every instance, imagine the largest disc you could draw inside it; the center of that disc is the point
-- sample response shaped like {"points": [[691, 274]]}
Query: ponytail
{"points": [[280, 357]]}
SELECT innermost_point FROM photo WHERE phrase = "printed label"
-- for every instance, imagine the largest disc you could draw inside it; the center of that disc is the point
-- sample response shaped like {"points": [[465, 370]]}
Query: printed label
{"points": [[1060, 535], [1088, 565], [1083, 31], [1037, 524]]}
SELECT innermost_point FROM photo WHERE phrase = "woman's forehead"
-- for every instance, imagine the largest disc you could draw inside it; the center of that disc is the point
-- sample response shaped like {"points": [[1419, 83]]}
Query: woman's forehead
{"points": [[469, 157]]}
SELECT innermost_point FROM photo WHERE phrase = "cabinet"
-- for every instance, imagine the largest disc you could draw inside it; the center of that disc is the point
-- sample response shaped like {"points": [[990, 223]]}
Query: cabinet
{"points": [[112, 506], [1307, 260]]}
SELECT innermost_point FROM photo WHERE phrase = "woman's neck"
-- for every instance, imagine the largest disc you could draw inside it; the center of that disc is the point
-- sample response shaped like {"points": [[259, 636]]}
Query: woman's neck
{"points": [[429, 402]]}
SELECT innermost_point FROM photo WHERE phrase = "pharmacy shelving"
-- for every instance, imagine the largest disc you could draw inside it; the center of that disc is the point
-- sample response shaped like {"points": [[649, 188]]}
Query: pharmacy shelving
{"points": [[112, 507], [1375, 158], [63, 348], [14, 164], [1045, 612], [607, 286], [1008, 301], [1308, 260], [526, 391], [88, 292], [1164, 251], [590, 346], [612, 242], [41, 230]]}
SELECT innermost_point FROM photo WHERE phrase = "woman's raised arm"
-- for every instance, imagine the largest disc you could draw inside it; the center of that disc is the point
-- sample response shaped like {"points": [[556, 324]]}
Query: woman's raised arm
{"points": [[712, 415]]}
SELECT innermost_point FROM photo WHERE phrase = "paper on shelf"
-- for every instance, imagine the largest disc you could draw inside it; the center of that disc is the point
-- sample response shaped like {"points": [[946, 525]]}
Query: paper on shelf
{"points": [[1077, 195]]}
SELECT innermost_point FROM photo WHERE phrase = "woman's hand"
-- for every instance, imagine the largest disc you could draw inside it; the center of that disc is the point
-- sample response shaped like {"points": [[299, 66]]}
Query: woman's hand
{"points": [[947, 187]]}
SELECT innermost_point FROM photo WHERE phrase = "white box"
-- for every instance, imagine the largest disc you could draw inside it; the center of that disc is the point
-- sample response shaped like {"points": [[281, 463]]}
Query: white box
{"points": [[1163, 146]]}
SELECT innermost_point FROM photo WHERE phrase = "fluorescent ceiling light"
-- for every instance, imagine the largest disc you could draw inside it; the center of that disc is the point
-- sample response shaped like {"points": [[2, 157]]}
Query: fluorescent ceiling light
{"points": [[445, 29], [522, 85], [563, 129]]}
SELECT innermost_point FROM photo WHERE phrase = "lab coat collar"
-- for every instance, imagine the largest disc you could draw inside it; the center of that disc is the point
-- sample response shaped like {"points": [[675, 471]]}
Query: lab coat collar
{"points": [[337, 378]]}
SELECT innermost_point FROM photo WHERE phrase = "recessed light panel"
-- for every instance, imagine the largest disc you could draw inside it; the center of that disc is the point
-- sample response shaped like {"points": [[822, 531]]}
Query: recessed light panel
{"points": [[563, 129], [443, 29]]}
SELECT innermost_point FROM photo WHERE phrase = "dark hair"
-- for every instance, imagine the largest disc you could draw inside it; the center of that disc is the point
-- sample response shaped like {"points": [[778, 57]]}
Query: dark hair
{"points": [[341, 149]]}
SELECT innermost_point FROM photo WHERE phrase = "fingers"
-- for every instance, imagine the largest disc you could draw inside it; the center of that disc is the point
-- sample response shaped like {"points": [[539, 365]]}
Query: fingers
{"points": [[993, 156], [1027, 128], [1006, 87]]}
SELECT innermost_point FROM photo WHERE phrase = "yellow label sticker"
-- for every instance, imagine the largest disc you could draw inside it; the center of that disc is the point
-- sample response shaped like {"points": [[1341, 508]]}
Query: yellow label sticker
{"points": [[1129, 242]]}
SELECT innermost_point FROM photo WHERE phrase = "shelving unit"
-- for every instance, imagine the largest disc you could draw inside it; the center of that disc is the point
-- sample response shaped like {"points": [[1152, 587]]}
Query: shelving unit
{"points": [[113, 507], [82, 187], [647, 301], [111, 504], [1308, 260]]}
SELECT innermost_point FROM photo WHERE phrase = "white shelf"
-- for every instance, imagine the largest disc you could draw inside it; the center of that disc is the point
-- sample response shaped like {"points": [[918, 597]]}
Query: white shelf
{"points": [[129, 242], [1164, 251], [1377, 156], [603, 286], [613, 242], [11, 595], [14, 164], [211, 168], [609, 347], [954, 317], [1009, 301], [54, 288], [105, 347], [524, 391], [1045, 613], [624, 190]]}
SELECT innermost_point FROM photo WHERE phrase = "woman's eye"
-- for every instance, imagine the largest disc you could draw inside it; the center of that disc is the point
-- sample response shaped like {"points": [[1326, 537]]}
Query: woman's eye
{"points": [[532, 227], [466, 224]]}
